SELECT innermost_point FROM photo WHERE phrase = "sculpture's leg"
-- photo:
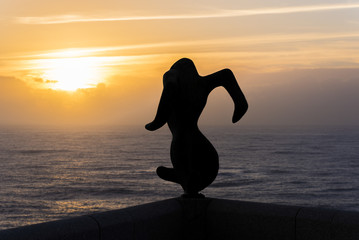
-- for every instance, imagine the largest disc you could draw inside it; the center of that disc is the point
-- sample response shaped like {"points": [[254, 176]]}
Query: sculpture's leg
{"points": [[191, 187], [168, 174]]}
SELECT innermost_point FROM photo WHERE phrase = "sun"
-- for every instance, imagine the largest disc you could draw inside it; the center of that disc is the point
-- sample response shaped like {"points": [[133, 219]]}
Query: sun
{"points": [[70, 74]]}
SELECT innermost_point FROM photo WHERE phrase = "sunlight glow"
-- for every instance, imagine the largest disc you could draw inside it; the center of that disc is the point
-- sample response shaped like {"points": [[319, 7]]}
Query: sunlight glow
{"points": [[71, 74], [73, 69]]}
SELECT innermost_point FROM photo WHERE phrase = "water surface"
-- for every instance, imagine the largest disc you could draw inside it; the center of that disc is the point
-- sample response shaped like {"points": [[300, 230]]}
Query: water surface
{"points": [[51, 173]]}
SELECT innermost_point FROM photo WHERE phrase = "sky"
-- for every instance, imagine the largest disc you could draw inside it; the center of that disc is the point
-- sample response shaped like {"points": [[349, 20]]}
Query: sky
{"points": [[101, 62]]}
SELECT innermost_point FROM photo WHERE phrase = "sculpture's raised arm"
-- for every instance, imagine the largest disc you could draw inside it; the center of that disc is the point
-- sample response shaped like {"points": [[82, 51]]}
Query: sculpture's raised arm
{"points": [[226, 79]]}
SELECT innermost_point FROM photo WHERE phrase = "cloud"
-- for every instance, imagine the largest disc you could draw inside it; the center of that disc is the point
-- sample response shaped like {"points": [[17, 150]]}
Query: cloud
{"points": [[125, 103], [51, 81], [249, 40], [38, 80], [294, 47], [261, 53], [41, 80], [62, 19]]}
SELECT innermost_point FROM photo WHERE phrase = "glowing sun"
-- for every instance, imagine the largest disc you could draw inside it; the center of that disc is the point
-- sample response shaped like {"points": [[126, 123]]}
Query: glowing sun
{"points": [[70, 74]]}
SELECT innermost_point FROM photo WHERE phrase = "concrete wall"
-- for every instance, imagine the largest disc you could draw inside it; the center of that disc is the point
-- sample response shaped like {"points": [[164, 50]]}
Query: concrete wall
{"points": [[228, 219], [158, 220], [198, 219]]}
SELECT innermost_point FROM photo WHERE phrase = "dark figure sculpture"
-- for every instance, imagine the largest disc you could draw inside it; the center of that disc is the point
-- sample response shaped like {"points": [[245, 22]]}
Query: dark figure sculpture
{"points": [[184, 96]]}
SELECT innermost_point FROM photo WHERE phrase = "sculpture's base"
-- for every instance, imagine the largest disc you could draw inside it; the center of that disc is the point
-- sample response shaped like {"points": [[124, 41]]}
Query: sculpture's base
{"points": [[192, 195]]}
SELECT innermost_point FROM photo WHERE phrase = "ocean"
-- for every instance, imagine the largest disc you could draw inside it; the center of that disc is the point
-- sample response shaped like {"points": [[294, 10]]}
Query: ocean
{"points": [[55, 173]]}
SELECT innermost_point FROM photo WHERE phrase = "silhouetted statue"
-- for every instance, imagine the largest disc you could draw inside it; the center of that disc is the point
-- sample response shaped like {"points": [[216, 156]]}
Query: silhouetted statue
{"points": [[184, 96]]}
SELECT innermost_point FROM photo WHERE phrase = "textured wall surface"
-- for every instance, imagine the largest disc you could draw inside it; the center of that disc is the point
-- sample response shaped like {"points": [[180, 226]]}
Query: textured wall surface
{"points": [[205, 218]]}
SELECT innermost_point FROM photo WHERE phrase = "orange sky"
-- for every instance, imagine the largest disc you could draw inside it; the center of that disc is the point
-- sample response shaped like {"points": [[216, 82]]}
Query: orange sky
{"points": [[101, 62]]}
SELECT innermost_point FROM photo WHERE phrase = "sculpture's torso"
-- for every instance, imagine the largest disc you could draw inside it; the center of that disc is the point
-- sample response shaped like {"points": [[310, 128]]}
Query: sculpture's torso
{"points": [[194, 159]]}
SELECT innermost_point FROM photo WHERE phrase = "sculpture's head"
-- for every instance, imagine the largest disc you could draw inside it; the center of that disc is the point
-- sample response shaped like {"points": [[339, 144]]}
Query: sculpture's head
{"points": [[179, 78], [185, 67]]}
